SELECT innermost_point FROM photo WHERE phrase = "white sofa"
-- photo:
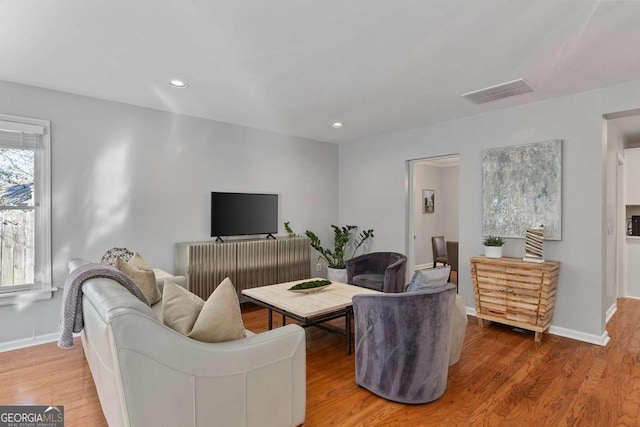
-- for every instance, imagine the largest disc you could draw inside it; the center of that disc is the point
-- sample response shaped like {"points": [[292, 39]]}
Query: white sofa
{"points": [[146, 374]]}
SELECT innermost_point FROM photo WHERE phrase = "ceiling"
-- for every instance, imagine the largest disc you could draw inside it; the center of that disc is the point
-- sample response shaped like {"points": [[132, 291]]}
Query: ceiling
{"points": [[296, 67]]}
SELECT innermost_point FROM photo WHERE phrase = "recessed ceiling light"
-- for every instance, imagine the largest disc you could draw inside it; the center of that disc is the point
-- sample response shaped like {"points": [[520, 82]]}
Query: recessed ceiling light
{"points": [[337, 125], [178, 84]]}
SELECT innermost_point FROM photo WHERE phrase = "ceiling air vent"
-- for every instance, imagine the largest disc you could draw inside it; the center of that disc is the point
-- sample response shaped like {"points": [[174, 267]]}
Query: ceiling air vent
{"points": [[493, 93]]}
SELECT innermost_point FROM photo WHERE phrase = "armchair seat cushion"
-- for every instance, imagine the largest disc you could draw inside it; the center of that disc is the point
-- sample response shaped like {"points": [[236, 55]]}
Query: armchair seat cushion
{"points": [[369, 281]]}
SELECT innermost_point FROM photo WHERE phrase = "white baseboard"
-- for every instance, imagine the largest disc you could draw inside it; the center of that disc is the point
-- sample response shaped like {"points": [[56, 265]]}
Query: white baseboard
{"points": [[28, 342], [612, 310], [568, 333], [423, 266], [601, 340]]}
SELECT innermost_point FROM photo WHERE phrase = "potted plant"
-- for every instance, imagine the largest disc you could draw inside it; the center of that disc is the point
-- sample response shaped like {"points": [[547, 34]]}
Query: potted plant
{"points": [[493, 246], [343, 237]]}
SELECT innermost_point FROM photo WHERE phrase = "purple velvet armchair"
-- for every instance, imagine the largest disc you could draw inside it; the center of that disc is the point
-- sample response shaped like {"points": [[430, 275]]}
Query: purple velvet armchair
{"points": [[381, 271], [403, 343]]}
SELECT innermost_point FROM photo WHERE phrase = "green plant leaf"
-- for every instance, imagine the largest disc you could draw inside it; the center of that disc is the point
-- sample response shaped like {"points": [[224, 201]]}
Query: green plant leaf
{"points": [[342, 237], [493, 241], [288, 229]]}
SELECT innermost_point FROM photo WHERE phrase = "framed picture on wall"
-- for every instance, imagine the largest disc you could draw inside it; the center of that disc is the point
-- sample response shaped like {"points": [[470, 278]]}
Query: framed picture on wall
{"points": [[428, 201]]}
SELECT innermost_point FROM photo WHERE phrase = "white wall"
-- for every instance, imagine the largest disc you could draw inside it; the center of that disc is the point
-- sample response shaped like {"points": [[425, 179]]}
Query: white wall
{"points": [[576, 119], [444, 220], [450, 201], [140, 178]]}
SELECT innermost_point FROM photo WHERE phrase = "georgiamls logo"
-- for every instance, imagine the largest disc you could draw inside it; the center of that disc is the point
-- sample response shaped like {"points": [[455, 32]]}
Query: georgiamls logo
{"points": [[32, 416]]}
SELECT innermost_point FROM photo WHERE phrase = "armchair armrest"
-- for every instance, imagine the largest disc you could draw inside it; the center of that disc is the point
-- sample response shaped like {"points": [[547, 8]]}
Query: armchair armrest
{"points": [[353, 266], [394, 277]]}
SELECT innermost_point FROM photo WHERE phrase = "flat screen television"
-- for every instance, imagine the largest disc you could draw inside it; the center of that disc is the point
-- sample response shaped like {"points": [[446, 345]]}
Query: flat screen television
{"points": [[236, 214]]}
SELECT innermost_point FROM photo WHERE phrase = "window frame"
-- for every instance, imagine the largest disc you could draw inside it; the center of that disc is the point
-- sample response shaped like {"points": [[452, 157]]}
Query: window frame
{"points": [[42, 288]]}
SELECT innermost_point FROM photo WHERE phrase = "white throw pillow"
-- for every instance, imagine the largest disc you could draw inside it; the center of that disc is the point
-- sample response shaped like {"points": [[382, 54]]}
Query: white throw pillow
{"points": [[429, 278], [220, 319], [216, 320], [180, 308]]}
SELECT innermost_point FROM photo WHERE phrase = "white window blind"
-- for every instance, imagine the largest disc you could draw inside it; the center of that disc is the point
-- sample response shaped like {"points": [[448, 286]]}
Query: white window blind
{"points": [[20, 135]]}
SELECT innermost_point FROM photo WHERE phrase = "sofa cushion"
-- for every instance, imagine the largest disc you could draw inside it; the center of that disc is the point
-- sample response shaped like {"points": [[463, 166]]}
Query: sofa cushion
{"points": [[369, 281], [162, 275], [143, 277], [216, 320], [429, 278]]}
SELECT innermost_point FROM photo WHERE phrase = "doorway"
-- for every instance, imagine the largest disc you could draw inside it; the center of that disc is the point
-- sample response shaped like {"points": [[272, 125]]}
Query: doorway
{"points": [[621, 135], [432, 206]]}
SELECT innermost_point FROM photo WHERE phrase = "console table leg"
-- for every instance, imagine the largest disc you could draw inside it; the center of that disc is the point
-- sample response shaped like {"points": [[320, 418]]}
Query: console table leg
{"points": [[481, 322], [348, 330], [284, 320], [270, 317], [538, 337]]}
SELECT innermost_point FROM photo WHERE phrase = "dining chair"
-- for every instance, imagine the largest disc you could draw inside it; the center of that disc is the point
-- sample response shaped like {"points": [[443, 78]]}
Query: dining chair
{"points": [[439, 247]]}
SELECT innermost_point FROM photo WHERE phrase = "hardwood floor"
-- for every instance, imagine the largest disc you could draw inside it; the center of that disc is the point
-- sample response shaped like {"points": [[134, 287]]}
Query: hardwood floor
{"points": [[504, 378], [48, 375]]}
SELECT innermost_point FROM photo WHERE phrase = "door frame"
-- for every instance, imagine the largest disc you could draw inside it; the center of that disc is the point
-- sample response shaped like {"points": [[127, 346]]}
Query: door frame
{"points": [[410, 201]]}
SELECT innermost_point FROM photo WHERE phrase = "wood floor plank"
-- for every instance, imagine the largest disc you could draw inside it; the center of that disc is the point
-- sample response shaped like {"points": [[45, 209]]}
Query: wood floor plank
{"points": [[48, 375], [503, 378]]}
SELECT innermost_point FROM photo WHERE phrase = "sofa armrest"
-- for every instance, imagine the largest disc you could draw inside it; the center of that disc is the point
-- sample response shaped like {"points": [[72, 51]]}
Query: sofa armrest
{"points": [[162, 275], [260, 378]]}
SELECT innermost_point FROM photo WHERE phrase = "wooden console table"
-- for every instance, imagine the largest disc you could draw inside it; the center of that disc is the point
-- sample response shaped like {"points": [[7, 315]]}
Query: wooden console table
{"points": [[515, 292]]}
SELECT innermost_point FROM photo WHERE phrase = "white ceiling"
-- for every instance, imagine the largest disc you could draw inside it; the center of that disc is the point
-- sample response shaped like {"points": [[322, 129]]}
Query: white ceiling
{"points": [[296, 66]]}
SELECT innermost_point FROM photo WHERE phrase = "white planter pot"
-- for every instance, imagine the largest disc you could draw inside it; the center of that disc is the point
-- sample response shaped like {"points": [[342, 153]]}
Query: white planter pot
{"points": [[337, 274], [493, 251]]}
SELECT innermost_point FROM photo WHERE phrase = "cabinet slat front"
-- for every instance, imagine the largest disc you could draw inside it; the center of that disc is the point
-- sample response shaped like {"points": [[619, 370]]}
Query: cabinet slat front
{"points": [[515, 292], [248, 263]]}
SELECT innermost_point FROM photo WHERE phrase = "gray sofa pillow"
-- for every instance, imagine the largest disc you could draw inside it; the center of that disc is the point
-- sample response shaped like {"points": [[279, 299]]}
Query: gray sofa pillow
{"points": [[429, 278]]}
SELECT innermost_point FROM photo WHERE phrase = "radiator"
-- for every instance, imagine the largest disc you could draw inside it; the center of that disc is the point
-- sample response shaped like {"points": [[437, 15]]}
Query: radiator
{"points": [[248, 263]]}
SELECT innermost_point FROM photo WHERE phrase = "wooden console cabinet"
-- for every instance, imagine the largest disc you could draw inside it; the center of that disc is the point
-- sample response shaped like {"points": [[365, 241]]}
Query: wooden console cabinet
{"points": [[248, 263], [515, 292]]}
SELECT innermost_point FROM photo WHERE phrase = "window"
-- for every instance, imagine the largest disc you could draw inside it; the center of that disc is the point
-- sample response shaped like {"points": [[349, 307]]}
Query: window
{"points": [[25, 207]]}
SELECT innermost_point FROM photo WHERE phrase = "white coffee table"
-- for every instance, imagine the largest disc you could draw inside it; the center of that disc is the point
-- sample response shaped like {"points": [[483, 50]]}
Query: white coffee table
{"points": [[310, 309]]}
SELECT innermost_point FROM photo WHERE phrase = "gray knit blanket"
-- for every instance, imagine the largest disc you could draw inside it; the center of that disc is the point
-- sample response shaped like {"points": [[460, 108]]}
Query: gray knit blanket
{"points": [[71, 319]]}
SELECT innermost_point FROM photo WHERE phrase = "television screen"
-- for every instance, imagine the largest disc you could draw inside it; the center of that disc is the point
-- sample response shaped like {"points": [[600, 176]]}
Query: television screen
{"points": [[235, 214]]}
